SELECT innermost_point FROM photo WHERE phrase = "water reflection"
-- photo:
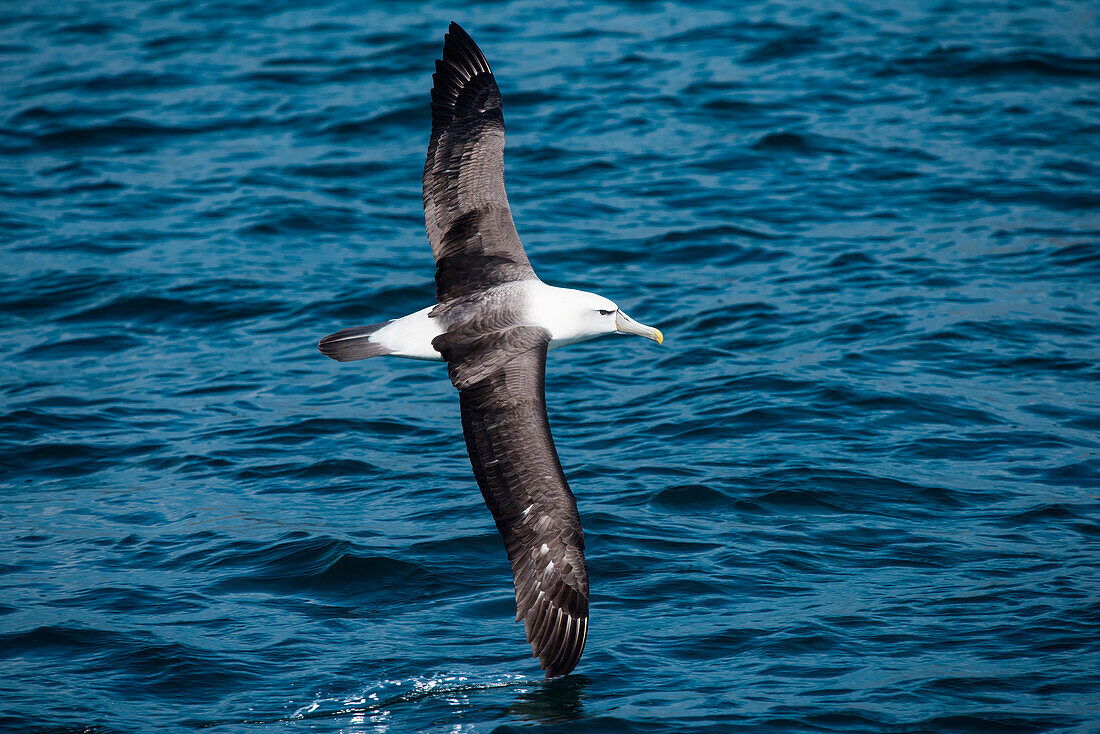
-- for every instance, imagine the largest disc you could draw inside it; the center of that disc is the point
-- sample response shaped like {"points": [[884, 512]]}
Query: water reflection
{"points": [[553, 702]]}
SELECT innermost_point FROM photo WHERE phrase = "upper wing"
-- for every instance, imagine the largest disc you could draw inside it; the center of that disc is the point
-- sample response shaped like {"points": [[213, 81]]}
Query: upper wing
{"points": [[515, 463], [466, 211]]}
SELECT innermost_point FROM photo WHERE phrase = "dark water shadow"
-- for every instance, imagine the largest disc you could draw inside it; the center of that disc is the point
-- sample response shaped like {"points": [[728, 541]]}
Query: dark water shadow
{"points": [[553, 702]]}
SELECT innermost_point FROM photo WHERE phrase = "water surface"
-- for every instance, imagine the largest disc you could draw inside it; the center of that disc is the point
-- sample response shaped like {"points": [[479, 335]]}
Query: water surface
{"points": [[856, 489]]}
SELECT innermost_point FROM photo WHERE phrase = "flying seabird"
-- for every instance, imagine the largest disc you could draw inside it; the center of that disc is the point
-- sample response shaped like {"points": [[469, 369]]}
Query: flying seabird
{"points": [[493, 323]]}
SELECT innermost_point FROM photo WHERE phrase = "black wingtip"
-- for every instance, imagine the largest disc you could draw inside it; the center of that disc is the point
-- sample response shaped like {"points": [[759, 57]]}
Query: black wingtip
{"points": [[563, 650], [459, 46], [463, 83], [455, 29]]}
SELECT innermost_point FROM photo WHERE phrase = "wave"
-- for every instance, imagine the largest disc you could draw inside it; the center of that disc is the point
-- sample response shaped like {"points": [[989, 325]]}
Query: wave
{"points": [[963, 62]]}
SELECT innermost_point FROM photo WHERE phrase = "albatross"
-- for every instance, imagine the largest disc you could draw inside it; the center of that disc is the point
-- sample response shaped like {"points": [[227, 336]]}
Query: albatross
{"points": [[493, 323]]}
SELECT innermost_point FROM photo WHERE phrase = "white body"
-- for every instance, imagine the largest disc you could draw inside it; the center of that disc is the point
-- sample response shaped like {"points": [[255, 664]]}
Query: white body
{"points": [[410, 336], [569, 315]]}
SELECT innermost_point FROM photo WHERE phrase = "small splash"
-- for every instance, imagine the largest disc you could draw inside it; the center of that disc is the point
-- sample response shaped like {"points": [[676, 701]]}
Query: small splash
{"points": [[375, 704]]}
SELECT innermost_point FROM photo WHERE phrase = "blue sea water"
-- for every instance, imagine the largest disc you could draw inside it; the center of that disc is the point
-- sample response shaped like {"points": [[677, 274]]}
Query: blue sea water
{"points": [[857, 489]]}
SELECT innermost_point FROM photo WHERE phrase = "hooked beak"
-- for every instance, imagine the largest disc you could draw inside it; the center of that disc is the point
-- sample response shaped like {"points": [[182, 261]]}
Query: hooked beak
{"points": [[627, 325]]}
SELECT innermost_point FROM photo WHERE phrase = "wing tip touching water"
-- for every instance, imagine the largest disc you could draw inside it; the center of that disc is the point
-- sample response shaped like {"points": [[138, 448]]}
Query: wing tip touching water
{"points": [[552, 599], [557, 640]]}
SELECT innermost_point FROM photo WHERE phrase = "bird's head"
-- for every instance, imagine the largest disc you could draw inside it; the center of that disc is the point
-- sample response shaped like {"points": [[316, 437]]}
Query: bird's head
{"points": [[586, 315]]}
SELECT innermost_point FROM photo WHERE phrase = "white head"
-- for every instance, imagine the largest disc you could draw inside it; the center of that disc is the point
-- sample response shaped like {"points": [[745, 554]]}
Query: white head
{"points": [[573, 316]]}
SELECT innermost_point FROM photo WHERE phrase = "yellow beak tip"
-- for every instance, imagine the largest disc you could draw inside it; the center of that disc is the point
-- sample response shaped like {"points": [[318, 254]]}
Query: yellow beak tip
{"points": [[660, 336]]}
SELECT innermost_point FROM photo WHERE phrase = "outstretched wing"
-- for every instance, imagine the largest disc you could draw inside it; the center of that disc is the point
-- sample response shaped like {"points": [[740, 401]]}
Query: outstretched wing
{"points": [[516, 465], [466, 211]]}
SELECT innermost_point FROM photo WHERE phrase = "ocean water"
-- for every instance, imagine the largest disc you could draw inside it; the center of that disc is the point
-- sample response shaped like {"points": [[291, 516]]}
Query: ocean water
{"points": [[857, 489]]}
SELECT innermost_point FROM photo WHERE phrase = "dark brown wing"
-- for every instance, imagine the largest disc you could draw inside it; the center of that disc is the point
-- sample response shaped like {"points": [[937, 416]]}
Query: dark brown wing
{"points": [[516, 465], [466, 211]]}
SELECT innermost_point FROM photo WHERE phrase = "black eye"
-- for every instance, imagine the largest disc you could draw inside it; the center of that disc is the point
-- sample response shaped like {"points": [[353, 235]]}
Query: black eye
{"points": [[605, 313]]}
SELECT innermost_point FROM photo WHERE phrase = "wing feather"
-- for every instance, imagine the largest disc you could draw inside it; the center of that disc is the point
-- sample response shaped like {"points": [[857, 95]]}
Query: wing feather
{"points": [[497, 362], [466, 210], [516, 465]]}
